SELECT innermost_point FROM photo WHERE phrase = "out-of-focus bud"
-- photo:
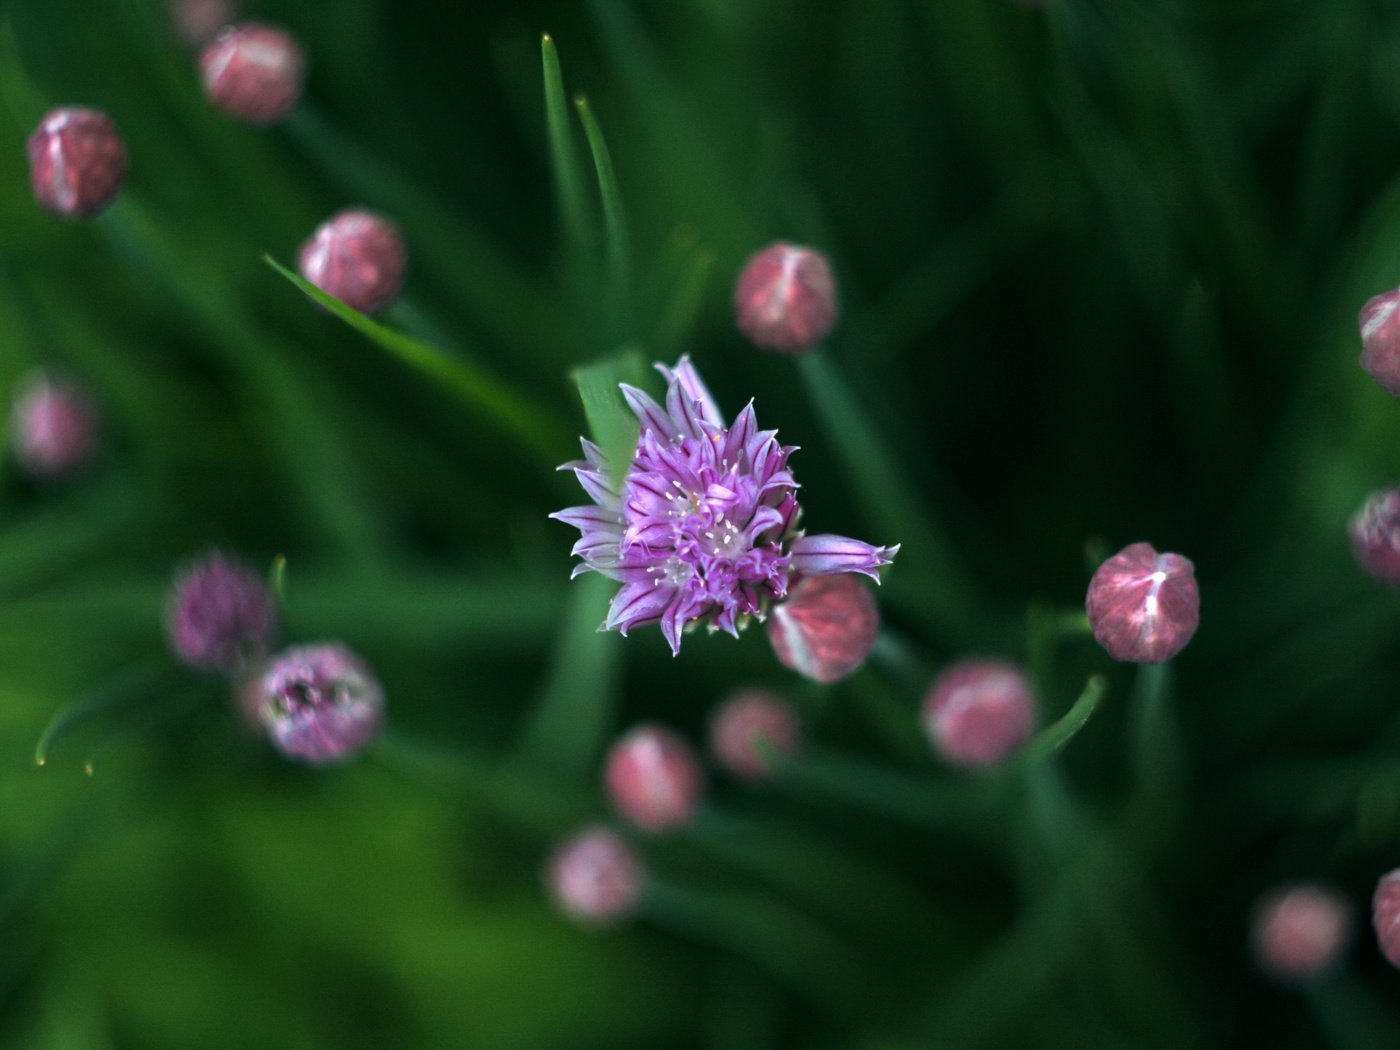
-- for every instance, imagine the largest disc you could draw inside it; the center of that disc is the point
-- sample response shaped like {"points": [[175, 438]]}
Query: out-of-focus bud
{"points": [[826, 627], [77, 161], [785, 299], [1380, 340], [1144, 606], [320, 703], [54, 427], [595, 877], [1300, 932], [979, 712], [220, 616], [1385, 916], [748, 729], [198, 21], [654, 778], [358, 257], [1374, 532], [254, 72]]}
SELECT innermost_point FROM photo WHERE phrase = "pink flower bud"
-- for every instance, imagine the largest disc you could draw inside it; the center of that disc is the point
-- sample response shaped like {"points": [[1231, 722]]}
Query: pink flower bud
{"points": [[595, 877], [54, 427], [320, 703], [654, 778], [826, 627], [748, 728], [978, 712], [1144, 606], [358, 257], [1374, 532], [1385, 916], [220, 616], [254, 72], [76, 161], [198, 21], [1380, 340], [785, 298], [1299, 932]]}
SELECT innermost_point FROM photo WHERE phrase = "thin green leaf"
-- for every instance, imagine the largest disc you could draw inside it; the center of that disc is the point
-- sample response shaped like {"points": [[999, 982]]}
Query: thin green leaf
{"points": [[568, 180], [127, 687], [1055, 736], [617, 245], [681, 310], [495, 403], [612, 425]]}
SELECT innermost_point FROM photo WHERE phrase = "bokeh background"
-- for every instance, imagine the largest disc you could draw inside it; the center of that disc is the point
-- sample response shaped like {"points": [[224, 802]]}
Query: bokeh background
{"points": [[1100, 262]]}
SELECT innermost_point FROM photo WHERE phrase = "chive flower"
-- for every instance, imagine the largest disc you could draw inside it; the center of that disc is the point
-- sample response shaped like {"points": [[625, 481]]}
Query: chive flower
{"points": [[595, 877], [220, 616], [785, 299], [199, 21], [320, 703], [358, 257], [1374, 534], [702, 525], [1380, 340], [1144, 606], [979, 712], [77, 161], [826, 628], [254, 72], [751, 727], [1385, 916]]}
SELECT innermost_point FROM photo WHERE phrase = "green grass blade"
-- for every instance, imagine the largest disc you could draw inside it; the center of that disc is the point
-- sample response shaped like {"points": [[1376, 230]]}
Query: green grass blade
{"points": [[128, 686], [613, 426], [493, 402], [617, 245], [568, 180]]}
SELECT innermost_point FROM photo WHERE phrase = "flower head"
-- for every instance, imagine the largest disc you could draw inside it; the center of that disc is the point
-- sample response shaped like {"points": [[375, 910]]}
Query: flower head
{"points": [[1374, 532], [654, 778], [54, 426], [320, 703], [1385, 916], [1380, 340], [703, 524], [748, 729], [220, 615], [785, 299], [77, 161]]}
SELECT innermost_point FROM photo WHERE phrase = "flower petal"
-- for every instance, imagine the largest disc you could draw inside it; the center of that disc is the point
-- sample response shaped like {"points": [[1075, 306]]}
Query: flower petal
{"points": [[652, 416], [828, 555], [685, 376]]}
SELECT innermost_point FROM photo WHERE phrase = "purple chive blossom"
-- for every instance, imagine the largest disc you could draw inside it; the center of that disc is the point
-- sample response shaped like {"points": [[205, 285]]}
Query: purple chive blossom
{"points": [[320, 703], [220, 615], [703, 526]]}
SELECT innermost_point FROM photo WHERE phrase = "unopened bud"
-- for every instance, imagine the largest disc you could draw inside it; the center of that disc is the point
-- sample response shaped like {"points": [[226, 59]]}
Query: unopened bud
{"points": [[220, 616], [785, 298], [254, 72], [77, 161], [1374, 532], [1299, 933], [748, 729], [1144, 606], [1380, 340], [979, 712], [358, 257], [320, 703], [826, 627], [595, 877], [1385, 916], [198, 21], [654, 778], [54, 427]]}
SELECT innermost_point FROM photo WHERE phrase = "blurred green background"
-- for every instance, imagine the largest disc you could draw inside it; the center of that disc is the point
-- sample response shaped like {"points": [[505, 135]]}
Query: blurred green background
{"points": [[1100, 265]]}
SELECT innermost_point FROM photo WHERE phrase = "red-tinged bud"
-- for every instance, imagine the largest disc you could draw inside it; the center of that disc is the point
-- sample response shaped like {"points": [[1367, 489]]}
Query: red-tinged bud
{"points": [[654, 778], [826, 627], [1385, 916], [1300, 932], [254, 72], [220, 616], [595, 877], [1380, 340], [1144, 606], [320, 703], [198, 21], [54, 426], [358, 257], [1374, 532], [77, 161], [785, 299], [979, 712], [748, 729]]}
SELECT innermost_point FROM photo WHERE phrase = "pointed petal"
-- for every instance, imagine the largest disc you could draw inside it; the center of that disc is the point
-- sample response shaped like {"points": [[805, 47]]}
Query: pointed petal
{"points": [[828, 555], [588, 517], [638, 603], [599, 489], [688, 379], [745, 427], [652, 416]]}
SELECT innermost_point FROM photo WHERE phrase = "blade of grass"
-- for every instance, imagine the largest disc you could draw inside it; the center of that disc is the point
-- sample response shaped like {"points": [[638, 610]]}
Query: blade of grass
{"points": [[493, 402], [126, 687], [616, 244], [568, 180]]}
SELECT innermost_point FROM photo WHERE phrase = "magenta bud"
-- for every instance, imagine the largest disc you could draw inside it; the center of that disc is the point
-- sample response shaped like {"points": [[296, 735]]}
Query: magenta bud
{"points": [[1385, 916], [358, 257], [1380, 340], [254, 72], [1144, 606], [1299, 933], [54, 427], [198, 21], [826, 627], [785, 298], [220, 615], [748, 729], [595, 877], [77, 161], [320, 703], [654, 778], [979, 712], [1374, 533]]}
